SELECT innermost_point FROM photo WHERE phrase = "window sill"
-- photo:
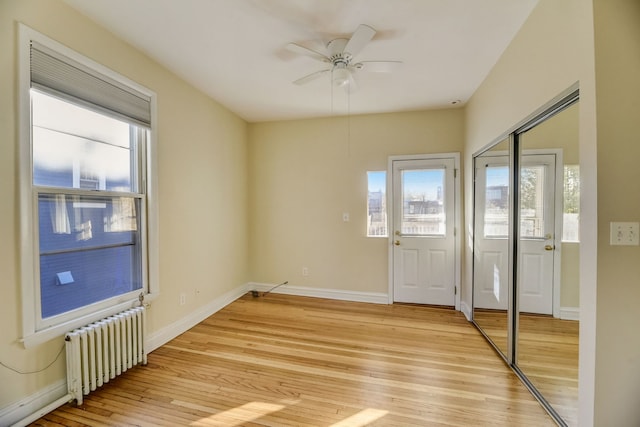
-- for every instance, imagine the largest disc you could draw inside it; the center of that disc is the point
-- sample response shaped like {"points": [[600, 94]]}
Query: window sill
{"points": [[39, 337]]}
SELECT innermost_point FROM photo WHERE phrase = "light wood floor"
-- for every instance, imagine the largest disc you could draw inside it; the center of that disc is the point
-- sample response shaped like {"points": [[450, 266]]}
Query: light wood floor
{"points": [[547, 354], [294, 361]]}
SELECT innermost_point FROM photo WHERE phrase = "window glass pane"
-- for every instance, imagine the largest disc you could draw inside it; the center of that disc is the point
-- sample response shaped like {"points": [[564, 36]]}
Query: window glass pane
{"points": [[74, 147], [496, 214], [532, 201], [89, 250], [377, 204], [423, 202], [73, 222], [571, 213]]}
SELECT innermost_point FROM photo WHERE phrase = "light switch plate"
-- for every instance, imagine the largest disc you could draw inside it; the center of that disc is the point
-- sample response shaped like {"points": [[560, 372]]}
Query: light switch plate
{"points": [[625, 233]]}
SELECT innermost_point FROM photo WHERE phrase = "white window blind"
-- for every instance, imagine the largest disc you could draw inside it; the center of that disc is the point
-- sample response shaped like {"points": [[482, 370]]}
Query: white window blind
{"points": [[61, 76]]}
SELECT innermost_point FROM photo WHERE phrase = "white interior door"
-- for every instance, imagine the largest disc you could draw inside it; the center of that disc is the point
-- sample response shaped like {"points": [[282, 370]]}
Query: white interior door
{"points": [[491, 245], [537, 233], [423, 231]]}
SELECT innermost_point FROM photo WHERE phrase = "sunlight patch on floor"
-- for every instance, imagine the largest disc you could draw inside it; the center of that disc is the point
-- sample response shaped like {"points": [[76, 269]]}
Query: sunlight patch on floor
{"points": [[232, 417]]}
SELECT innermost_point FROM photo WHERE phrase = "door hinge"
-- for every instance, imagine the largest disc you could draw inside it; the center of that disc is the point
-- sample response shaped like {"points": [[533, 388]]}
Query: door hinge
{"points": [[455, 290], [455, 173]]}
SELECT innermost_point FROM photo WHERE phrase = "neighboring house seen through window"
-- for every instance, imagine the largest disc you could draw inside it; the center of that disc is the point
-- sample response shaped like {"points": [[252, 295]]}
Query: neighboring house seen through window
{"points": [[88, 235]]}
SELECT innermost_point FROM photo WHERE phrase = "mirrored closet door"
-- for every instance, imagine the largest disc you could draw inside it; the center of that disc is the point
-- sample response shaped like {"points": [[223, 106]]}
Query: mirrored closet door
{"points": [[525, 278]]}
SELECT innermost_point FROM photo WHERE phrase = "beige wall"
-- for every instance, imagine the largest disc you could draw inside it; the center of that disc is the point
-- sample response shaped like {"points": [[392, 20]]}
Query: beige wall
{"points": [[305, 174], [617, 48], [551, 52], [560, 132], [202, 156]]}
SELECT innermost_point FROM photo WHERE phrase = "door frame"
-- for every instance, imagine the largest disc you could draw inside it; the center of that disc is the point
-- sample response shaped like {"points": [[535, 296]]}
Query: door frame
{"points": [[457, 224]]}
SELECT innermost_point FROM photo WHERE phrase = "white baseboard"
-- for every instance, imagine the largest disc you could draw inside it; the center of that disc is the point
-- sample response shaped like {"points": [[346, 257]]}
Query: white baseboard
{"points": [[570, 313], [24, 408], [338, 294], [166, 334], [466, 310]]}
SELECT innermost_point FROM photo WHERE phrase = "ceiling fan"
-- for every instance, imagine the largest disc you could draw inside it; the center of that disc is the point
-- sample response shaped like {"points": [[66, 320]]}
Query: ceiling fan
{"points": [[339, 57]]}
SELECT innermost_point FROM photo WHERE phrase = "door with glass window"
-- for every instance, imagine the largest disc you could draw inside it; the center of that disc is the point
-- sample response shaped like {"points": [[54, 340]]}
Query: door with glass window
{"points": [[537, 233], [423, 231]]}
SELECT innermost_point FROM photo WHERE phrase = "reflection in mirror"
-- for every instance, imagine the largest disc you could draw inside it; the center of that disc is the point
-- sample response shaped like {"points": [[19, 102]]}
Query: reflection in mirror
{"points": [[547, 259], [491, 244]]}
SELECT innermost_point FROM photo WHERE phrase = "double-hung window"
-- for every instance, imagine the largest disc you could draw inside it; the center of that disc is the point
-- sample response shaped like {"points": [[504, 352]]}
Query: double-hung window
{"points": [[85, 186]]}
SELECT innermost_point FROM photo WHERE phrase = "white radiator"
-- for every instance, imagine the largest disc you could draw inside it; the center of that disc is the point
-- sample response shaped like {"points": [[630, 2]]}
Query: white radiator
{"points": [[103, 350]]}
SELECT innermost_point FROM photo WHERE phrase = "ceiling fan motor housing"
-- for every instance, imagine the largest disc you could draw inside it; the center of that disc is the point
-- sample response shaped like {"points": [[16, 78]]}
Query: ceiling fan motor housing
{"points": [[340, 61]]}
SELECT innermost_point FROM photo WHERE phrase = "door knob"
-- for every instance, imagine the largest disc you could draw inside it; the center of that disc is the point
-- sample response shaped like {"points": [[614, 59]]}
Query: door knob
{"points": [[549, 247], [397, 243]]}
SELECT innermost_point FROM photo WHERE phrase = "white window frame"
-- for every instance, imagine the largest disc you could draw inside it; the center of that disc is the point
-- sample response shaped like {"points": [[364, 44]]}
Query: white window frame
{"points": [[34, 333]]}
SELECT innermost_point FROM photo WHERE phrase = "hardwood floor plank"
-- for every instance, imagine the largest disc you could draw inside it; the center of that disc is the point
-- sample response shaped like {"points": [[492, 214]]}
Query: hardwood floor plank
{"points": [[295, 361]]}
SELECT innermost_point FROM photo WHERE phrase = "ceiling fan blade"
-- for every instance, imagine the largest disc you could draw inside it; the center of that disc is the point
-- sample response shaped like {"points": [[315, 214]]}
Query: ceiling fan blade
{"points": [[310, 77], [378, 66], [296, 48], [359, 39]]}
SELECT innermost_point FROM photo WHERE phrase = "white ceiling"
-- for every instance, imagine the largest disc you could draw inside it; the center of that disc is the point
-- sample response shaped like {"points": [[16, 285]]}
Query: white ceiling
{"points": [[234, 50]]}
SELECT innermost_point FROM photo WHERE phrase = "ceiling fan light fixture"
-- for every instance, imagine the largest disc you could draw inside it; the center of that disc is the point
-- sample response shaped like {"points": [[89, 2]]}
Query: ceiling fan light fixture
{"points": [[340, 76]]}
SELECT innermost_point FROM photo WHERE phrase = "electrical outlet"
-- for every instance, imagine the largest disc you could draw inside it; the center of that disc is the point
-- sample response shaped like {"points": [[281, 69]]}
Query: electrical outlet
{"points": [[624, 233], [183, 299], [345, 216], [305, 271]]}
